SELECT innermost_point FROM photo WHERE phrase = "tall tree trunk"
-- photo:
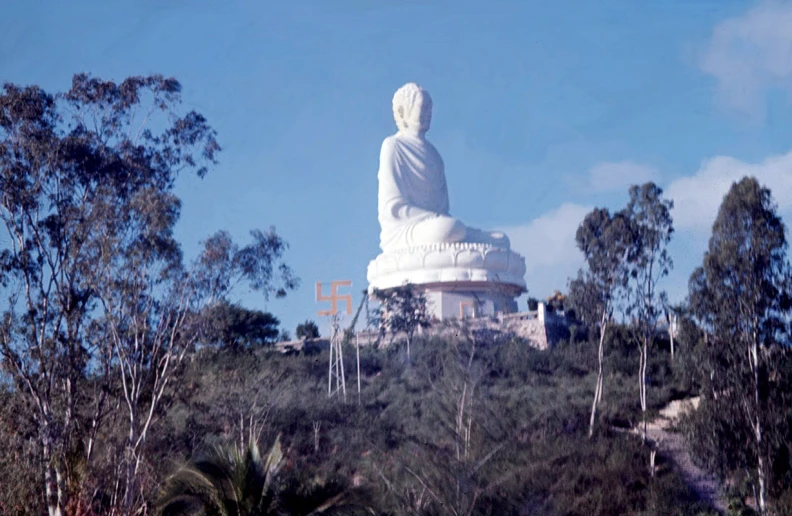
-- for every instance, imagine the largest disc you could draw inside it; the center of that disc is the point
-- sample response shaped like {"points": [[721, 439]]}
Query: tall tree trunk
{"points": [[760, 465], [671, 334], [642, 382], [762, 502], [58, 469], [600, 358], [54, 495], [129, 482]]}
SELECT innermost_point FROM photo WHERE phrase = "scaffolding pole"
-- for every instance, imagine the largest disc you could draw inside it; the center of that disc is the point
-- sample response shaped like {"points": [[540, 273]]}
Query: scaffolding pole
{"points": [[357, 347], [336, 362]]}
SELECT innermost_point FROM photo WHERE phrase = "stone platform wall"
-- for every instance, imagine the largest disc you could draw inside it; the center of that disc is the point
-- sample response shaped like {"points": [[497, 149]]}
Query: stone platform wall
{"points": [[540, 330]]}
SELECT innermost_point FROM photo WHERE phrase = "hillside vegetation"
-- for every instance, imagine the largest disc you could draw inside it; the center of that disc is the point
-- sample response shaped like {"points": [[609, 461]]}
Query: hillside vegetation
{"points": [[470, 426], [121, 361]]}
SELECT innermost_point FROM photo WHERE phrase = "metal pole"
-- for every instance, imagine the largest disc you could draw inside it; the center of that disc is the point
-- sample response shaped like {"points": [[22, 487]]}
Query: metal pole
{"points": [[330, 368], [340, 354], [357, 345]]}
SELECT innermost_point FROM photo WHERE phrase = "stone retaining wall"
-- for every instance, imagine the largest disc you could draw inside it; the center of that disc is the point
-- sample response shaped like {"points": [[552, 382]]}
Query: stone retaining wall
{"points": [[539, 329]]}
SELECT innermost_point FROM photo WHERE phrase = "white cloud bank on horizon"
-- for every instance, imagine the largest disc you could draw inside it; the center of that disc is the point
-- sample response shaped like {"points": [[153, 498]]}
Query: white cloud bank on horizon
{"points": [[749, 55], [548, 241], [698, 197], [548, 245]]}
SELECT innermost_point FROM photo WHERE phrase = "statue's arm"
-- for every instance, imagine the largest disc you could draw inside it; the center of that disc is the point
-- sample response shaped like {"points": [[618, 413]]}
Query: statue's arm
{"points": [[445, 208], [393, 202]]}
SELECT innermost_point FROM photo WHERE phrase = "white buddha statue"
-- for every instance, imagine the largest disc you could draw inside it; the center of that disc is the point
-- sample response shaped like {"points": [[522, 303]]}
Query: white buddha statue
{"points": [[413, 195]]}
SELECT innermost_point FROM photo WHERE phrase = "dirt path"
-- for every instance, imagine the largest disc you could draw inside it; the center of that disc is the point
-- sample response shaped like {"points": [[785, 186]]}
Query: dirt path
{"points": [[672, 446]]}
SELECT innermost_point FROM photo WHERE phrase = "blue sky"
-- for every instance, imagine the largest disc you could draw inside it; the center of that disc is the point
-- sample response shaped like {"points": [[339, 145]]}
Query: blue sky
{"points": [[543, 110]]}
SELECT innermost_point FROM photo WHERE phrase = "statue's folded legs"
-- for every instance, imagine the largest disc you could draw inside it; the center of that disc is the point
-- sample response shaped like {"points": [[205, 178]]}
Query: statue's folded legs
{"points": [[445, 229], [494, 238], [436, 229]]}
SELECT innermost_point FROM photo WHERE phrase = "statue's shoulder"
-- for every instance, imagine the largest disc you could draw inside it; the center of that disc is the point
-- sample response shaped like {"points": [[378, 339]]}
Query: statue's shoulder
{"points": [[429, 145], [390, 141], [389, 145]]}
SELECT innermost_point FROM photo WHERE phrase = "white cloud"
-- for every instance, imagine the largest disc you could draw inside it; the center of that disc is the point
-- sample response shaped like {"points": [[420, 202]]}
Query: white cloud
{"points": [[548, 241], [750, 54], [611, 176], [698, 197], [548, 244]]}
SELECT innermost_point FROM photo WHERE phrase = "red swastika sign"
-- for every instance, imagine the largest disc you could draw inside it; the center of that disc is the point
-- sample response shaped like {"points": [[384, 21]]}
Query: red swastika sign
{"points": [[334, 297]]}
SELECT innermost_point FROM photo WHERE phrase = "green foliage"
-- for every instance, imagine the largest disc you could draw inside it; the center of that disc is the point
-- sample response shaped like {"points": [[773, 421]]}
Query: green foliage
{"points": [[98, 307], [603, 239], [604, 242], [520, 447], [230, 325], [226, 481], [740, 296], [19, 458], [650, 229], [402, 310], [307, 330], [483, 426], [229, 481]]}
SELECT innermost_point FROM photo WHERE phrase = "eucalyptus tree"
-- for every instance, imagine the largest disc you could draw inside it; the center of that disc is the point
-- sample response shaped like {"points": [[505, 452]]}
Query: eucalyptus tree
{"points": [[307, 330], [156, 311], [604, 240], [651, 227], [402, 309], [96, 298], [741, 298], [229, 325]]}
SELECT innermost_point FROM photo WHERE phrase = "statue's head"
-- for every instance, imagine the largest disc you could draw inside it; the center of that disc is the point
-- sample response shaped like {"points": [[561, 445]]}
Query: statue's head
{"points": [[412, 109]]}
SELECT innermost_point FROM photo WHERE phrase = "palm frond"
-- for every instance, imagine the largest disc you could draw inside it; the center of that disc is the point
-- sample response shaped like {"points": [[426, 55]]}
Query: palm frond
{"points": [[229, 481]]}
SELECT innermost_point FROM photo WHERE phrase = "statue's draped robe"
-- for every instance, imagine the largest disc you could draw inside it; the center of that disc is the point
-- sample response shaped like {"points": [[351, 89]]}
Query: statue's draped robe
{"points": [[413, 198], [412, 189]]}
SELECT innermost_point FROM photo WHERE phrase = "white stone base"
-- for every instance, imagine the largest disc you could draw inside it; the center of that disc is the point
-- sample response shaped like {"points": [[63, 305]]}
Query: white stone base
{"points": [[447, 263], [460, 280], [450, 301]]}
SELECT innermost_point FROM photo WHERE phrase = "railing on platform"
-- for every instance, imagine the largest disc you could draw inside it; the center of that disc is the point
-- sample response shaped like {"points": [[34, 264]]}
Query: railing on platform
{"points": [[519, 316]]}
